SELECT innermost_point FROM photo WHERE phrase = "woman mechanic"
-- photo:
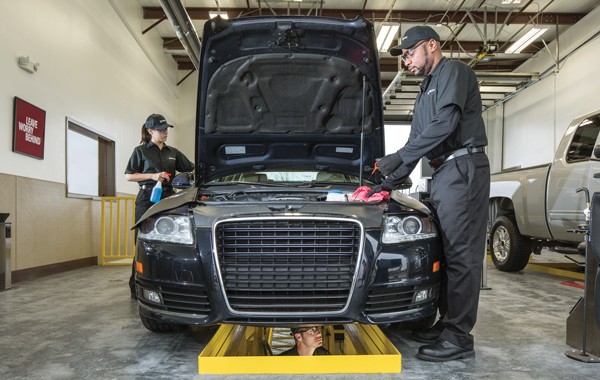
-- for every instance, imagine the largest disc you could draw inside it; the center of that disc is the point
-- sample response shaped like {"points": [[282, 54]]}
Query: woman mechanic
{"points": [[151, 161]]}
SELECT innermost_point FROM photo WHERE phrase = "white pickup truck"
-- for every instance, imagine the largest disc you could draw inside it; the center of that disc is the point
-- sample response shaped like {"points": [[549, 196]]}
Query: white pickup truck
{"points": [[536, 207]]}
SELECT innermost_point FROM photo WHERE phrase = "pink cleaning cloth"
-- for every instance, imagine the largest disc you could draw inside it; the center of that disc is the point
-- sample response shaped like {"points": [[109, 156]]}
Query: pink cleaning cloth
{"points": [[360, 195]]}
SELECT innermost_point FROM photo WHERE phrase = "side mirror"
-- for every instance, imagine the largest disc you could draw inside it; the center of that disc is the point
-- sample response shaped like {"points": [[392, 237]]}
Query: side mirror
{"points": [[597, 151], [183, 181]]}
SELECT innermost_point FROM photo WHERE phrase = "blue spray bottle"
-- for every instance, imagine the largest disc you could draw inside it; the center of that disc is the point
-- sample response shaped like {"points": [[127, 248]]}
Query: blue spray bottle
{"points": [[157, 190]]}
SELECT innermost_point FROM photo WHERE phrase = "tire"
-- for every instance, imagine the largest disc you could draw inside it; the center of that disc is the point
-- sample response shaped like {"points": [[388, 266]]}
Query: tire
{"points": [[160, 327], [421, 324], [510, 250]]}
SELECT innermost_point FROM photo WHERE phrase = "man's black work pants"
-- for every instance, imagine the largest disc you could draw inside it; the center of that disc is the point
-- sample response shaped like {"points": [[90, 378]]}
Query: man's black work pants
{"points": [[459, 192]]}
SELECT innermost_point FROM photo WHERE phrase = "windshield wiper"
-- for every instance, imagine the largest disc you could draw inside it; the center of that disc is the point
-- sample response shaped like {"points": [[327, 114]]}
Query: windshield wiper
{"points": [[325, 183], [266, 184]]}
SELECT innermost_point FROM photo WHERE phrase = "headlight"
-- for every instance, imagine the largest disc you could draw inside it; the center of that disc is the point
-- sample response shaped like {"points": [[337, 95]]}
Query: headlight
{"points": [[168, 228], [398, 229]]}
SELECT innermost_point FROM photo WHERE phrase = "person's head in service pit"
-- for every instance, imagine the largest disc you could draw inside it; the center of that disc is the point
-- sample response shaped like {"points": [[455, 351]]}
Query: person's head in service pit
{"points": [[308, 342]]}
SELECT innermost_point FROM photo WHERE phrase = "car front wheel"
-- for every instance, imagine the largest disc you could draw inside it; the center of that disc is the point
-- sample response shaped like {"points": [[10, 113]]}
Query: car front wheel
{"points": [[160, 327], [421, 324]]}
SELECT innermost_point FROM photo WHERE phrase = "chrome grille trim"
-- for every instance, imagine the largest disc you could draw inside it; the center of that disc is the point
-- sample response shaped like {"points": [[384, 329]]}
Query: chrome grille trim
{"points": [[323, 253]]}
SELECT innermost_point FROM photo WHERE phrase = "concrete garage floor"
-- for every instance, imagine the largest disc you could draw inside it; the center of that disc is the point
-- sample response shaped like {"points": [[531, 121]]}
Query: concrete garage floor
{"points": [[83, 325]]}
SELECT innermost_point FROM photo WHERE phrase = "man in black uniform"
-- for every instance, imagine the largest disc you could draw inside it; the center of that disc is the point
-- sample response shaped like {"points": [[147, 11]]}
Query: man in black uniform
{"points": [[448, 129]]}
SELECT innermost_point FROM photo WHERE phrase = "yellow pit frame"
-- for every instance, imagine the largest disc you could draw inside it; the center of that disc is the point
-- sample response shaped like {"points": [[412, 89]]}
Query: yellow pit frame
{"points": [[355, 348]]}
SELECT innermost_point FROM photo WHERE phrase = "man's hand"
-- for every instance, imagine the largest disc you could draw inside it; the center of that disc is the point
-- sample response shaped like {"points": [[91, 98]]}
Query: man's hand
{"points": [[379, 188], [389, 163]]}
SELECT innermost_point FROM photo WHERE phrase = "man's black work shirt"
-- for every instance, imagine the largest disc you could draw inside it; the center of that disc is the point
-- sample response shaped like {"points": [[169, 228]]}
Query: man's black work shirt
{"points": [[149, 158], [448, 94]]}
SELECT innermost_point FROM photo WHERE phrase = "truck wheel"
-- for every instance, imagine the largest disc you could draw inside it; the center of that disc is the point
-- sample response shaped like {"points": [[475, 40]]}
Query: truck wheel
{"points": [[510, 251], [160, 327]]}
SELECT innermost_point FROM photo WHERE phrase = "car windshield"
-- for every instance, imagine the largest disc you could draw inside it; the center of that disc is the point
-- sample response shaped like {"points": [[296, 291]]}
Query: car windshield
{"points": [[274, 177]]}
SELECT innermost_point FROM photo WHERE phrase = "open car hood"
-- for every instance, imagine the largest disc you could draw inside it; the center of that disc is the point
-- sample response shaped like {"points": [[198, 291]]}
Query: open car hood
{"points": [[293, 93]]}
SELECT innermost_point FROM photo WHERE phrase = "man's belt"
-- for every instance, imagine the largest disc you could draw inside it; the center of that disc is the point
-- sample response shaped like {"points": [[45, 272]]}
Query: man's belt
{"points": [[436, 162]]}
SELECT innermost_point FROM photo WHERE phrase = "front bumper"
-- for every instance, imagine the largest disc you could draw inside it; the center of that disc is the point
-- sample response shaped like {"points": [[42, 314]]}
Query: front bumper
{"points": [[369, 283]]}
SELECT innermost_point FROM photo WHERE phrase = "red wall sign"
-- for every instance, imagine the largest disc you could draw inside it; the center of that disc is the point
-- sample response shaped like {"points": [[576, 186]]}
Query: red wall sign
{"points": [[29, 127]]}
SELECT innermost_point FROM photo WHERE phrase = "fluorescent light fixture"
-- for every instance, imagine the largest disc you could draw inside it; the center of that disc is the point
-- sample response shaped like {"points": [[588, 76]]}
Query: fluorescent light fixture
{"points": [[524, 41], [386, 35], [213, 14], [511, 1]]}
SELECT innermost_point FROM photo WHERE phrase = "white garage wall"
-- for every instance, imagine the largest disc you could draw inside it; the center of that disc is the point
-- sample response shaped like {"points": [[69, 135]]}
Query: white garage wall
{"points": [[91, 69], [97, 68], [185, 138], [396, 136], [493, 125], [535, 119]]}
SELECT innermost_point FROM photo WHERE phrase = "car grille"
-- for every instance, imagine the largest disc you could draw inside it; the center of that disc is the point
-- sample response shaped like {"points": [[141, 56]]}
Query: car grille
{"points": [[394, 300], [296, 265]]}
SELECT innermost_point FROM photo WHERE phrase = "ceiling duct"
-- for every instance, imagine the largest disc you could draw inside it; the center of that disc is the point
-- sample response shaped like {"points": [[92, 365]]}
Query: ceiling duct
{"points": [[184, 28]]}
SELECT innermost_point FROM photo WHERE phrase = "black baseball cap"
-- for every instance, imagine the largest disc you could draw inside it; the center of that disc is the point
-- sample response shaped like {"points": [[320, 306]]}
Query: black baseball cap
{"points": [[414, 35], [158, 122]]}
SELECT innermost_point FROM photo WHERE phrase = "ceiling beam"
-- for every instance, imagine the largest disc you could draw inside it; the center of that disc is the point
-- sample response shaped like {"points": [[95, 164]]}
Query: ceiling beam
{"points": [[387, 64], [173, 43], [414, 16], [501, 65]]}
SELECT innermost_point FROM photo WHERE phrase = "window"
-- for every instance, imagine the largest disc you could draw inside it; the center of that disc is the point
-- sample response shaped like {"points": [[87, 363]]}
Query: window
{"points": [[584, 140], [90, 162]]}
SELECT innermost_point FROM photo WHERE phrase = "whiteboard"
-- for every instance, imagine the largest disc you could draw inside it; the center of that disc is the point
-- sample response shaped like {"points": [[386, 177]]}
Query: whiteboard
{"points": [[82, 164]]}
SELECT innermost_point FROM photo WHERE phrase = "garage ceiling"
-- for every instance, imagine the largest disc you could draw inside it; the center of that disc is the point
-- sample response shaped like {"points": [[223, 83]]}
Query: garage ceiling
{"points": [[477, 32]]}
